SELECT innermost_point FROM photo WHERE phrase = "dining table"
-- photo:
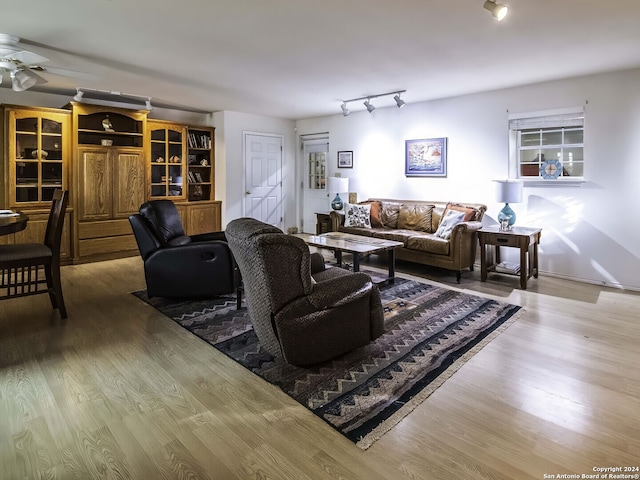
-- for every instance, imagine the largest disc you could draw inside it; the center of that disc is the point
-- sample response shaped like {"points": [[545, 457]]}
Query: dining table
{"points": [[12, 222]]}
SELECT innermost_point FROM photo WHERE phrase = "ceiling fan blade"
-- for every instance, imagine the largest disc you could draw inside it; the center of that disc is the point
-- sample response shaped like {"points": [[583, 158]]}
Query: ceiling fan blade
{"points": [[64, 72], [27, 58], [38, 78]]}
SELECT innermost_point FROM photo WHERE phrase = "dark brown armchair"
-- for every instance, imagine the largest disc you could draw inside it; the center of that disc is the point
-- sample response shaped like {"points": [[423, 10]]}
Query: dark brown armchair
{"points": [[181, 266], [301, 318]]}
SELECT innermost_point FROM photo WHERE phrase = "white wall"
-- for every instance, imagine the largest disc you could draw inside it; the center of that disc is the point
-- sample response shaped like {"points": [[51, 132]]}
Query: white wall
{"points": [[230, 127], [590, 233]]}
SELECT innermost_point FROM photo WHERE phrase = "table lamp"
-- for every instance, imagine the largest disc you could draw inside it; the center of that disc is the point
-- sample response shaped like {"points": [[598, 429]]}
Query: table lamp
{"points": [[338, 185], [508, 191]]}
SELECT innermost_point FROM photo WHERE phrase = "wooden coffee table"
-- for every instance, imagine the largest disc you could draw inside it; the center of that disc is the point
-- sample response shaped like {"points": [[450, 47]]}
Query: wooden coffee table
{"points": [[356, 245]]}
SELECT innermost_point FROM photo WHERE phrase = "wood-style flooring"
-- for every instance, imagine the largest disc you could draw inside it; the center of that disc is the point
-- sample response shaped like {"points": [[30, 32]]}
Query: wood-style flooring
{"points": [[119, 391]]}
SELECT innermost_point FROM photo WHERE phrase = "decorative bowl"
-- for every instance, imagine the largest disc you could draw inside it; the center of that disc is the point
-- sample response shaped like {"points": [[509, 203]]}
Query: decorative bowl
{"points": [[105, 142], [43, 154]]}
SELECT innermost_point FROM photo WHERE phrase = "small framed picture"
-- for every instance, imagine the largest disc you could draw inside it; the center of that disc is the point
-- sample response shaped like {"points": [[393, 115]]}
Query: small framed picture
{"points": [[345, 159], [426, 157]]}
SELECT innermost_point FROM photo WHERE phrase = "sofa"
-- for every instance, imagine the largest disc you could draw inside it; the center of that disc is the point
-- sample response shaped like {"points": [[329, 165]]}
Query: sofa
{"points": [[435, 233]]}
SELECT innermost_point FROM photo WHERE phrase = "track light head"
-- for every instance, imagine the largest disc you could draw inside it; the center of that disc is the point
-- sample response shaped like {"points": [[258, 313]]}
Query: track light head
{"points": [[147, 104], [399, 101], [345, 110], [78, 96], [497, 10], [370, 108]]}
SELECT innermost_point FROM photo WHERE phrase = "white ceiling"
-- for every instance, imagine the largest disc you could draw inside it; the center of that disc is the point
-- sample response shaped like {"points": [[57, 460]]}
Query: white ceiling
{"points": [[300, 58]]}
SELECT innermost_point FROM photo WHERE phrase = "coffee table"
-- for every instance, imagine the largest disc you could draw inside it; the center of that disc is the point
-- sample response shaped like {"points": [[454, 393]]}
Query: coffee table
{"points": [[356, 245]]}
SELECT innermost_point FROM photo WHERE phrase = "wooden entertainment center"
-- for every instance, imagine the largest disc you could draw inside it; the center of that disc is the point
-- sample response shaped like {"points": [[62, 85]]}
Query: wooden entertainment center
{"points": [[111, 160]]}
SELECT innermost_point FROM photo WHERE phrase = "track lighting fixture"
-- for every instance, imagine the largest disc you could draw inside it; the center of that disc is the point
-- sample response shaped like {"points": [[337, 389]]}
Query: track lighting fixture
{"points": [[81, 91], [367, 101], [370, 108], [497, 10]]}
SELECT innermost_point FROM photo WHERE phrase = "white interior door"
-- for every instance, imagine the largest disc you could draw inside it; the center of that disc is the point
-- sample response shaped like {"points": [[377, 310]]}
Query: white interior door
{"points": [[315, 155], [263, 178]]}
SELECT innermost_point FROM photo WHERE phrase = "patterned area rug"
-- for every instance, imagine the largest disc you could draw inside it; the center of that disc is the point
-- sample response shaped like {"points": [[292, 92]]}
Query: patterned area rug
{"points": [[430, 331]]}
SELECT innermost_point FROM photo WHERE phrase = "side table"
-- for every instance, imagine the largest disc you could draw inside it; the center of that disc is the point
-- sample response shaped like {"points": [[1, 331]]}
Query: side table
{"points": [[526, 239], [323, 222]]}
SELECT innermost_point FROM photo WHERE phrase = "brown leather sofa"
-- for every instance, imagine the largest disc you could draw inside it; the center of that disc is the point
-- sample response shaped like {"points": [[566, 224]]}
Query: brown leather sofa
{"points": [[414, 223]]}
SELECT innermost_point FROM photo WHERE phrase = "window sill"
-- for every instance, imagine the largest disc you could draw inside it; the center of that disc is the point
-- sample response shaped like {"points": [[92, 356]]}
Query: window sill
{"points": [[574, 182]]}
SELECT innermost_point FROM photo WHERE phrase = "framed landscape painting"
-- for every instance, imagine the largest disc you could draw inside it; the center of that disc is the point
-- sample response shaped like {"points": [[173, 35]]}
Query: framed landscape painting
{"points": [[426, 157]]}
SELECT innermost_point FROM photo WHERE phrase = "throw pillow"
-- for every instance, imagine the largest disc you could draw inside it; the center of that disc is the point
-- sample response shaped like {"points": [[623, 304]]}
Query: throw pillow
{"points": [[449, 220], [357, 215], [469, 213], [389, 214], [375, 212], [415, 217]]}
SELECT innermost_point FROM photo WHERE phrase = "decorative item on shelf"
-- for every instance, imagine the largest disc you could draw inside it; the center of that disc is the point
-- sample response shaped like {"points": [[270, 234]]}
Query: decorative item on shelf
{"points": [[105, 142], [106, 124], [175, 159], [338, 185], [43, 154], [508, 191], [550, 169], [204, 162], [164, 178], [159, 160]]}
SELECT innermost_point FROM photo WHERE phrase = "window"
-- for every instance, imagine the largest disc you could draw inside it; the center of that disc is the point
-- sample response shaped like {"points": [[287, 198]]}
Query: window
{"points": [[547, 146]]}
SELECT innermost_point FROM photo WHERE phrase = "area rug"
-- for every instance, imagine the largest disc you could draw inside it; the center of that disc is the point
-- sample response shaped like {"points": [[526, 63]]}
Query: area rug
{"points": [[430, 331]]}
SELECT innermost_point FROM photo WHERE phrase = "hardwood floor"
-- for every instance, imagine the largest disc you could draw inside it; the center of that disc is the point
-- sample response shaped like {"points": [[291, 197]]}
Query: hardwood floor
{"points": [[120, 391]]}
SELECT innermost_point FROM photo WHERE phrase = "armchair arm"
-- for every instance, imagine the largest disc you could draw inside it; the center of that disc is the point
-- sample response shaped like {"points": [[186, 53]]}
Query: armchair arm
{"points": [[339, 291], [207, 237], [463, 243], [195, 269]]}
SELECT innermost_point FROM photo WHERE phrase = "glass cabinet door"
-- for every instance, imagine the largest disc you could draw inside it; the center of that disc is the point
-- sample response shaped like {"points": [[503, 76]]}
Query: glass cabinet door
{"points": [[37, 156], [167, 160]]}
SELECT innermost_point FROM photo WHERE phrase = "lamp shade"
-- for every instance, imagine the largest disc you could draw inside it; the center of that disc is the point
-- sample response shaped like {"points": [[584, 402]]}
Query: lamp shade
{"points": [[338, 184], [509, 191]]}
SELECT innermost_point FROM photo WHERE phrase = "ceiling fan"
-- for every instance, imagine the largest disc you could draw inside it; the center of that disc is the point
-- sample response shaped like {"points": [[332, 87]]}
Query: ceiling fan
{"points": [[20, 64]]}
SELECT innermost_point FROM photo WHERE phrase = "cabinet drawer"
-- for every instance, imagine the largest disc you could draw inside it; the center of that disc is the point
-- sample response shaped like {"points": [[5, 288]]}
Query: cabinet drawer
{"points": [[503, 240], [95, 246], [107, 228]]}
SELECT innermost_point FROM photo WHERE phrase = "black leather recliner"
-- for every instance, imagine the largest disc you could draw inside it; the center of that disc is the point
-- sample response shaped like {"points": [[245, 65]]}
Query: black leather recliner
{"points": [[181, 266]]}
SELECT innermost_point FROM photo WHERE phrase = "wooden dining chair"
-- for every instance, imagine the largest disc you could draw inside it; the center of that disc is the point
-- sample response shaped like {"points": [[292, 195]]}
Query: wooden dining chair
{"points": [[20, 264]]}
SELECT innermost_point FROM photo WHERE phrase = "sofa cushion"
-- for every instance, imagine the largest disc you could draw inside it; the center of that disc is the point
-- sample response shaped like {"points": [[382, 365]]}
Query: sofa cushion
{"points": [[395, 235], [449, 220], [415, 216], [357, 215], [429, 243], [363, 231], [389, 214], [375, 212]]}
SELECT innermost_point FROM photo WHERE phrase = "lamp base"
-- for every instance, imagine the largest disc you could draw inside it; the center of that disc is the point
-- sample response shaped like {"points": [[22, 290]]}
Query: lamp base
{"points": [[337, 203], [507, 216]]}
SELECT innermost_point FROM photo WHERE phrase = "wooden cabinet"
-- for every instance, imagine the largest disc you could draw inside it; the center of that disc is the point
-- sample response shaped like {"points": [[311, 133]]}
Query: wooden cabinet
{"points": [[111, 160], [110, 179], [112, 182], [167, 160], [35, 162], [200, 174]]}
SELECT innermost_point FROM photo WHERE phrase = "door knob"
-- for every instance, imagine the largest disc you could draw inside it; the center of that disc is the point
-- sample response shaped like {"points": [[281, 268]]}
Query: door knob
{"points": [[248, 192]]}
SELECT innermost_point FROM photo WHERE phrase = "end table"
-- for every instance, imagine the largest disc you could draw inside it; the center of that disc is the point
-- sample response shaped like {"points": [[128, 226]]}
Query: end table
{"points": [[526, 239]]}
